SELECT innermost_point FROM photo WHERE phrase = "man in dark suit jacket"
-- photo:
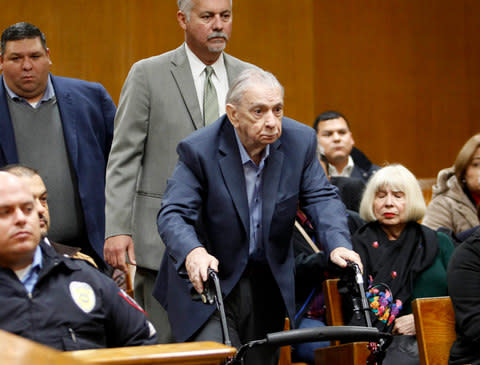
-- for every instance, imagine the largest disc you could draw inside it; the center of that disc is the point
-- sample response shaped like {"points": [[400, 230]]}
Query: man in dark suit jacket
{"points": [[161, 103], [63, 128], [230, 205]]}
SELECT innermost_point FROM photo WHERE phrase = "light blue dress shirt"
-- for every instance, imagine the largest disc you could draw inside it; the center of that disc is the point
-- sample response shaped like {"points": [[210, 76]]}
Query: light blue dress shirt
{"points": [[30, 279], [254, 183], [47, 95]]}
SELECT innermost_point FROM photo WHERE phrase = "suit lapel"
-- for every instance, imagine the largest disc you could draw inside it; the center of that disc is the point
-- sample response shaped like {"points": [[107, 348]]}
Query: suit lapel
{"points": [[7, 135], [271, 180], [182, 75], [233, 70], [68, 114], [232, 171]]}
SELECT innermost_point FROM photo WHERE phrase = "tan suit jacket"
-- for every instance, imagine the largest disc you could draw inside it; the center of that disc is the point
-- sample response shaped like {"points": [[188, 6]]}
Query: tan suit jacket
{"points": [[158, 107]]}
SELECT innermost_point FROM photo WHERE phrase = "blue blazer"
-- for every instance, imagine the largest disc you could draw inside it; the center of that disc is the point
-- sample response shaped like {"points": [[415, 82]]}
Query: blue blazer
{"points": [[208, 187], [87, 114]]}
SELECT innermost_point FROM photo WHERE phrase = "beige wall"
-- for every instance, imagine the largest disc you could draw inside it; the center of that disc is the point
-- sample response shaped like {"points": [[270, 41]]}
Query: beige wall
{"points": [[405, 72]]}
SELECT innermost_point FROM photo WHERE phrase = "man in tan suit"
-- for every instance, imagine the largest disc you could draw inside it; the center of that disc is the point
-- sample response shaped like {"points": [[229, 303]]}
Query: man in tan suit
{"points": [[161, 103]]}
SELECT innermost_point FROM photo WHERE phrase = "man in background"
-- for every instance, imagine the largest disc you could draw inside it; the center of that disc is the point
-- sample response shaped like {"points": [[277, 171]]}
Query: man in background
{"points": [[336, 142], [163, 100], [61, 127]]}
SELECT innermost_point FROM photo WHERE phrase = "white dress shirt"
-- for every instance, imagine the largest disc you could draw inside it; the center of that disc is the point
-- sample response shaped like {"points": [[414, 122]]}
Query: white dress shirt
{"points": [[219, 78]]}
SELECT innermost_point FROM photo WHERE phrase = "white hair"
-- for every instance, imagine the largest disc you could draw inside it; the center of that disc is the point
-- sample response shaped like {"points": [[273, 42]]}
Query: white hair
{"points": [[185, 6], [398, 178], [246, 79]]}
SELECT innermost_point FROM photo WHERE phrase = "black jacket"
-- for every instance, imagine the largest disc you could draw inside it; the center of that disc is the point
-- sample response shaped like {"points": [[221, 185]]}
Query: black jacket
{"points": [[311, 268], [363, 168], [464, 288], [350, 190], [72, 307]]}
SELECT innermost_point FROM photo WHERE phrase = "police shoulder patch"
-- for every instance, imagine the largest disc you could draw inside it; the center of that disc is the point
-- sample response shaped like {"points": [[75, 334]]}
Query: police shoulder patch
{"points": [[83, 295]]}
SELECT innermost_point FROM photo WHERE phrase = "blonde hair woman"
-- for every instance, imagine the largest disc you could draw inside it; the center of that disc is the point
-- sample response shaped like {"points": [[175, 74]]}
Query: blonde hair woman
{"points": [[402, 259]]}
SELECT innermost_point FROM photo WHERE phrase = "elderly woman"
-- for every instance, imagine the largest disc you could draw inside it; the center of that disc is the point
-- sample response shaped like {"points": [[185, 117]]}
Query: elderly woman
{"points": [[456, 195], [403, 259]]}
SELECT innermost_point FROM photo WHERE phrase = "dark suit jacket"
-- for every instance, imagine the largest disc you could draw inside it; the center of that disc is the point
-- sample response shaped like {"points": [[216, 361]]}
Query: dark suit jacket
{"points": [[87, 114], [350, 190], [208, 185]]}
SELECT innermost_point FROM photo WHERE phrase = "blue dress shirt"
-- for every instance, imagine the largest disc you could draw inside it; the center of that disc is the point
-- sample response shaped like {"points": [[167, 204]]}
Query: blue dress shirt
{"points": [[30, 279], [47, 95], [254, 182]]}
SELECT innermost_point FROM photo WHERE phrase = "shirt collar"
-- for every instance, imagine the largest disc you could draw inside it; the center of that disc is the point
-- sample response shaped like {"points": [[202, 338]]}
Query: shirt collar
{"points": [[25, 274], [347, 170], [37, 259], [244, 154], [47, 95], [198, 66]]}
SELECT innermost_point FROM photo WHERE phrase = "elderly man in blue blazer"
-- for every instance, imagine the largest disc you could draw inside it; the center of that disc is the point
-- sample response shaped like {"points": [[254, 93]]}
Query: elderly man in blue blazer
{"points": [[61, 127], [230, 206]]}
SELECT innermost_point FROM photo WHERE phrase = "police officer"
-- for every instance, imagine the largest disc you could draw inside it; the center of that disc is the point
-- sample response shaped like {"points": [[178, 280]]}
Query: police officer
{"points": [[58, 301]]}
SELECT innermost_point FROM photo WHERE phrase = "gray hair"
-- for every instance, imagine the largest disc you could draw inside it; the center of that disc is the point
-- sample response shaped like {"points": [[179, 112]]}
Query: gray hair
{"points": [[185, 6], [19, 170], [246, 79], [398, 178]]}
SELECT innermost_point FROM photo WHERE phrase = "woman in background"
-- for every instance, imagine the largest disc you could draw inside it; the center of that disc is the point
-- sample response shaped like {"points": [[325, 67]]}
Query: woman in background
{"points": [[402, 259], [456, 195]]}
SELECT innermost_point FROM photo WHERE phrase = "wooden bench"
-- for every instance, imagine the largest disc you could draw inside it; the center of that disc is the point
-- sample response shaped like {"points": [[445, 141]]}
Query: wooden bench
{"points": [[333, 303], [426, 184], [286, 351], [435, 326], [349, 353]]}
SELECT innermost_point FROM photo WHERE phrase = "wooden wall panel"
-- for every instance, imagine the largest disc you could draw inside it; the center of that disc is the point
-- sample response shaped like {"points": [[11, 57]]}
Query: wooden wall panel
{"points": [[278, 36], [99, 40], [404, 72]]}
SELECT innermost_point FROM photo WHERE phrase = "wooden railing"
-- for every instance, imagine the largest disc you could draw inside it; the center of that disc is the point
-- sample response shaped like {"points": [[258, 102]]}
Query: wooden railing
{"points": [[15, 350], [205, 353]]}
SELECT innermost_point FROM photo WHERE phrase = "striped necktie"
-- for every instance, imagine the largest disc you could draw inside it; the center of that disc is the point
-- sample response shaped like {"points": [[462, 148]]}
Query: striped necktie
{"points": [[210, 100]]}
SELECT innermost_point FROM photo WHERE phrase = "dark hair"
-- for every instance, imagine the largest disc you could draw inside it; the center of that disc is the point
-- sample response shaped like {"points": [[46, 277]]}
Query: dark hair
{"points": [[19, 31], [328, 115]]}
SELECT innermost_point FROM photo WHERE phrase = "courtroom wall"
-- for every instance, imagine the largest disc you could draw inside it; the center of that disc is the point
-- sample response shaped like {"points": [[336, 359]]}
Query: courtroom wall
{"points": [[405, 72]]}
